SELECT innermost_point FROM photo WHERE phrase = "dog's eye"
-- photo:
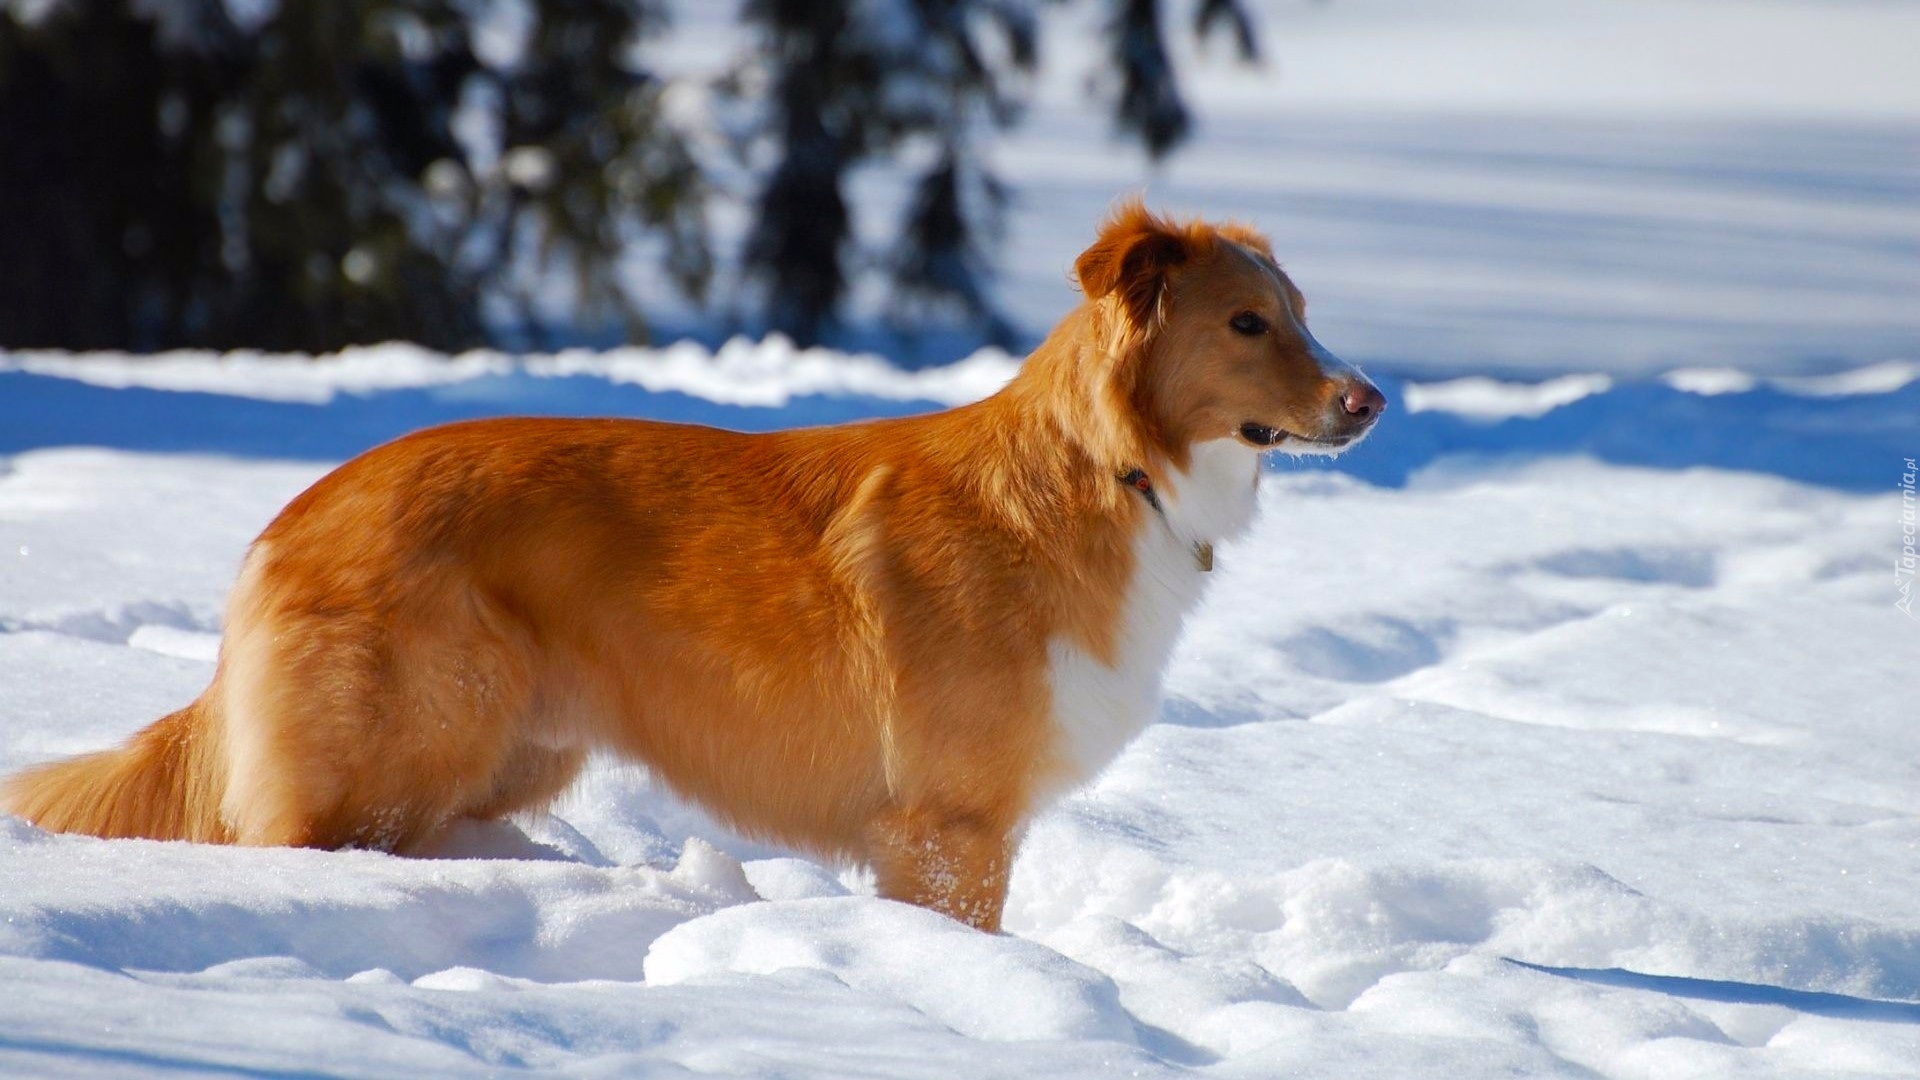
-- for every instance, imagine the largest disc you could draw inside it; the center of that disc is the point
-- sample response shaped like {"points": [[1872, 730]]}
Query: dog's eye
{"points": [[1248, 323]]}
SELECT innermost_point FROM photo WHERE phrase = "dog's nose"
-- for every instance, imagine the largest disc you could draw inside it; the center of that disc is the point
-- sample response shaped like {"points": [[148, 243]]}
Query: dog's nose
{"points": [[1363, 401]]}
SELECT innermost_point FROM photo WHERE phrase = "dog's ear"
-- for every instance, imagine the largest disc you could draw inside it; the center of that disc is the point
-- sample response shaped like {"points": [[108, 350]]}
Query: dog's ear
{"points": [[1131, 258], [1247, 237]]}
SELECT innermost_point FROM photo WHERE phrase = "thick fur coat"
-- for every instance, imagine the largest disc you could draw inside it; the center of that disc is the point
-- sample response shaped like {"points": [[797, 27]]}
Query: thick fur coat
{"points": [[889, 642]]}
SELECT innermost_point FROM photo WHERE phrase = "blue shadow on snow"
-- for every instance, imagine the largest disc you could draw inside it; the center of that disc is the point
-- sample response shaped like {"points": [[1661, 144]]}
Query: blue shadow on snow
{"points": [[1852, 442], [1812, 1002]]}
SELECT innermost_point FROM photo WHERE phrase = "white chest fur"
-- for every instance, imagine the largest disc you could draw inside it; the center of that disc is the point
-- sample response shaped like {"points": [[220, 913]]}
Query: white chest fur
{"points": [[1098, 707]]}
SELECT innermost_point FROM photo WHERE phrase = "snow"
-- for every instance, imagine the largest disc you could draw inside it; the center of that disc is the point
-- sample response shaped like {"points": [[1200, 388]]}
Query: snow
{"points": [[1528, 759], [982, 987], [1566, 727], [1810, 59], [1457, 243], [770, 372], [1492, 399], [1511, 187]]}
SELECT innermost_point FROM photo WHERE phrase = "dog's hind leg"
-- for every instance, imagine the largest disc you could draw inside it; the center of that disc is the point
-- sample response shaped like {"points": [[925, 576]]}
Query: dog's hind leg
{"points": [[350, 729]]}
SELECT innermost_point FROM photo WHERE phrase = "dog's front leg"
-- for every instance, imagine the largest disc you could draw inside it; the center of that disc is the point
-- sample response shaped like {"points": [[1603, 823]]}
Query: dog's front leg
{"points": [[954, 862]]}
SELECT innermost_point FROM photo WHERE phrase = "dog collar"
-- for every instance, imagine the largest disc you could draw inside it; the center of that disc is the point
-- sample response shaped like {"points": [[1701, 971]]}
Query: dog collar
{"points": [[1137, 479]]}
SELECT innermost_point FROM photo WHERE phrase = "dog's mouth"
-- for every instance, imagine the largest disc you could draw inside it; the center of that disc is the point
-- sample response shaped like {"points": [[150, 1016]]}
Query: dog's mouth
{"points": [[1264, 436]]}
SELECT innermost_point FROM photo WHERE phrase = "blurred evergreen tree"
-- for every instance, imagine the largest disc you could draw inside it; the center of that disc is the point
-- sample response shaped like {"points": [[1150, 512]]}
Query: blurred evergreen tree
{"points": [[303, 174], [847, 81]]}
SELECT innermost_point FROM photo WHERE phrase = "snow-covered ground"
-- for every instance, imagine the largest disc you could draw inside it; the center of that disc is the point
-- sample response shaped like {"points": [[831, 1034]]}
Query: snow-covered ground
{"points": [[1567, 728], [1527, 186]]}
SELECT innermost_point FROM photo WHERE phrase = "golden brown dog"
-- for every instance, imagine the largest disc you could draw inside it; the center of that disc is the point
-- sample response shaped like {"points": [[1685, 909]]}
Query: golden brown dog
{"points": [[890, 642]]}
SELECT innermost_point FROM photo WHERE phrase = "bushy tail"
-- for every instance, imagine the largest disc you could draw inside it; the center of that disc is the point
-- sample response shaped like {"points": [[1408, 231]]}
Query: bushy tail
{"points": [[164, 784]]}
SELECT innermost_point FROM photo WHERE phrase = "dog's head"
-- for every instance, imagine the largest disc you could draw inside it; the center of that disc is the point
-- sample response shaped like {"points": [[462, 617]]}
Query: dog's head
{"points": [[1211, 341]]}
